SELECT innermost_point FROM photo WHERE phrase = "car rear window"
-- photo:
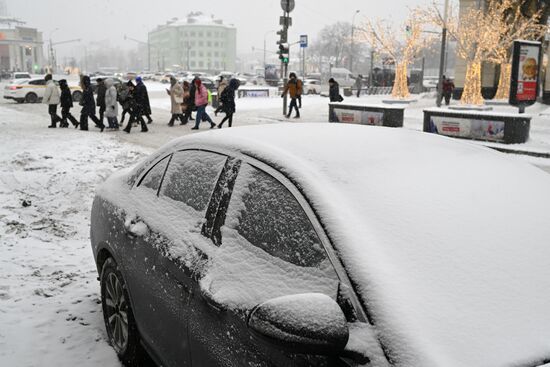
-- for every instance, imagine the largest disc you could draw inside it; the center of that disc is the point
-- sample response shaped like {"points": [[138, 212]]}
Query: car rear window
{"points": [[192, 177]]}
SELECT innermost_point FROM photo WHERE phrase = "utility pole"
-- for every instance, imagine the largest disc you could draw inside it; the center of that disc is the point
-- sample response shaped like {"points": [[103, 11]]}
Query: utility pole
{"points": [[284, 47], [352, 41], [442, 56]]}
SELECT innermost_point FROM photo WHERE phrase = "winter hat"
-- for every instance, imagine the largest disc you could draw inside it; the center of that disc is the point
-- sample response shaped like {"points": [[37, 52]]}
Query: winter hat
{"points": [[99, 80], [331, 80], [63, 83], [48, 77], [86, 80], [138, 79], [198, 82]]}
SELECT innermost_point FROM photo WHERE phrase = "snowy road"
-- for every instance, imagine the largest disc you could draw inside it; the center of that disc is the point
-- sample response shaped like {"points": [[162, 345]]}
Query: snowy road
{"points": [[50, 312]]}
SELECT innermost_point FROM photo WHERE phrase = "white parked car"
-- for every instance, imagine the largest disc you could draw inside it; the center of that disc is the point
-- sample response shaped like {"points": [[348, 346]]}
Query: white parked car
{"points": [[32, 91], [311, 86], [20, 76]]}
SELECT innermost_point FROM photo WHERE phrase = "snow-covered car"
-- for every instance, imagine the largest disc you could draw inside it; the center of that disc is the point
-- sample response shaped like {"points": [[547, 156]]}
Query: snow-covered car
{"points": [[356, 246], [311, 86], [32, 91]]}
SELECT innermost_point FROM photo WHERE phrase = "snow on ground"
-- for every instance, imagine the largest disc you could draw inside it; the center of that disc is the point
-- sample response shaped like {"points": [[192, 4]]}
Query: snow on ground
{"points": [[49, 296], [50, 311]]}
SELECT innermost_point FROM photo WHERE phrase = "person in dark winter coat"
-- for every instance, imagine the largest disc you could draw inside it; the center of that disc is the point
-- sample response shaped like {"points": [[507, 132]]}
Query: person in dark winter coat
{"points": [[100, 101], [142, 99], [294, 89], [88, 105], [141, 106], [448, 88], [66, 105], [359, 84], [126, 100], [192, 90], [334, 91], [187, 105], [227, 99]]}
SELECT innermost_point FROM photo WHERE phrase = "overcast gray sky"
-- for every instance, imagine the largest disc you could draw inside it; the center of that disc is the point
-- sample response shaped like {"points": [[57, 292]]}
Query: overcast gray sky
{"points": [[98, 20]]}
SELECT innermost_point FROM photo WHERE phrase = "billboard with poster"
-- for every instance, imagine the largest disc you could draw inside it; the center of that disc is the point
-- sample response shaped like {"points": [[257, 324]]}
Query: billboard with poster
{"points": [[525, 73], [359, 117], [468, 128]]}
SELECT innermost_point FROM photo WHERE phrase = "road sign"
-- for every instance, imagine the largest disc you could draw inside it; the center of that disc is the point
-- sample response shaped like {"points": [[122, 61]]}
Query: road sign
{"points": [[288, 5], [303, 41]]}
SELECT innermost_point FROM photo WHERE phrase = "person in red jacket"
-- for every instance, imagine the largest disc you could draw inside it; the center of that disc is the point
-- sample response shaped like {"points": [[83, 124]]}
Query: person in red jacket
{"points": [[201, 101]]}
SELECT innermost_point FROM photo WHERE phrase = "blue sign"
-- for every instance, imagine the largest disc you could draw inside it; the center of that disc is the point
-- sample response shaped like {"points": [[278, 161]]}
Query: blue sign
{"points": [[303, 41]]}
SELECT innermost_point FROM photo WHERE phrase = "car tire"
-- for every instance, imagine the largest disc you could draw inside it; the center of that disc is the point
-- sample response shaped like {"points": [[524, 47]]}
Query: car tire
{"points": [[31, 98], [77, 96], [118, 316]]}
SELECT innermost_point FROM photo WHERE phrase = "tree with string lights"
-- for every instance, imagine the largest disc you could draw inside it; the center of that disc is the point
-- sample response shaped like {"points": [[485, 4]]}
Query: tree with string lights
{"points": [[514, 25], [484, 35], [400, 45]]}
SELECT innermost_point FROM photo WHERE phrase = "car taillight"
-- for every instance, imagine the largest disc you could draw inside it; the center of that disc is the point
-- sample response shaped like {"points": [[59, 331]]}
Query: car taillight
{"points": [[14, 87]]}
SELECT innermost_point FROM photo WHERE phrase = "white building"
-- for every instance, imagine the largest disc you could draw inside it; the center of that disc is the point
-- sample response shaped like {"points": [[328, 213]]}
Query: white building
{"points": [[196, 43], [21, 48]]}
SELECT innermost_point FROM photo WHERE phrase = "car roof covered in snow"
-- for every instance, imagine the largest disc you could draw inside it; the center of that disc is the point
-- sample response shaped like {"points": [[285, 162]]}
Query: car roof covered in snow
{"points": [[447, 242]]}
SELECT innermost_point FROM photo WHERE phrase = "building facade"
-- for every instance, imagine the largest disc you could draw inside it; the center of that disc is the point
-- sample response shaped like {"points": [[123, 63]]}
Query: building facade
{"points": [[196, 43], [21, 49]]}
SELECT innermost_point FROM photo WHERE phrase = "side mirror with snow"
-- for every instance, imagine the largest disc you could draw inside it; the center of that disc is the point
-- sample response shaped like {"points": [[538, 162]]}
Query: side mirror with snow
{"points": [[309, 323]]}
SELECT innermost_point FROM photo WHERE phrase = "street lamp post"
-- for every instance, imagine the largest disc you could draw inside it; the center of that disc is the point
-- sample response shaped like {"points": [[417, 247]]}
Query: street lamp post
{"points": [[52, 57], [442, 56], [352, 41]]}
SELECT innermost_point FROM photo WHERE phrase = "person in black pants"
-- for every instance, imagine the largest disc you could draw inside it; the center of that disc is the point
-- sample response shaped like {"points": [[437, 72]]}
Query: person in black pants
{"points": [[294, 89], [66, 105], [141, 106], [126, 100], [100, 101], [227, 100], [88, 105]]}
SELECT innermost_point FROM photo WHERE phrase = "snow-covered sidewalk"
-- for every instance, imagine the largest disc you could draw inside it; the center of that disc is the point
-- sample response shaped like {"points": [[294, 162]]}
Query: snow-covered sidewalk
{"points": [[50, 311]]}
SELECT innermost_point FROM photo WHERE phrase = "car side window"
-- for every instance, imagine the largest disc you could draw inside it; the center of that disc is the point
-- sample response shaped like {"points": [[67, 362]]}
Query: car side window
{"points": [[37, 82], [153, 178], [192, 177], [269, 248]]}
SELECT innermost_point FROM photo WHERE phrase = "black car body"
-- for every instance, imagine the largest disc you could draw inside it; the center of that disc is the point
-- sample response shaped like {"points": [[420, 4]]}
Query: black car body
{"points": [[256, 247]]}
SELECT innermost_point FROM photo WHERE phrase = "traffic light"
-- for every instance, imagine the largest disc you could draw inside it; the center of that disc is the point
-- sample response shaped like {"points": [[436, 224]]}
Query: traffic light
{"points": [[283, 36], [284, 51]]}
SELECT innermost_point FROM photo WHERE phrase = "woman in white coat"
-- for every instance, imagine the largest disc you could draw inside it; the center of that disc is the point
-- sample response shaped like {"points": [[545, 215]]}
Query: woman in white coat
{"points": [[111, 104]]}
